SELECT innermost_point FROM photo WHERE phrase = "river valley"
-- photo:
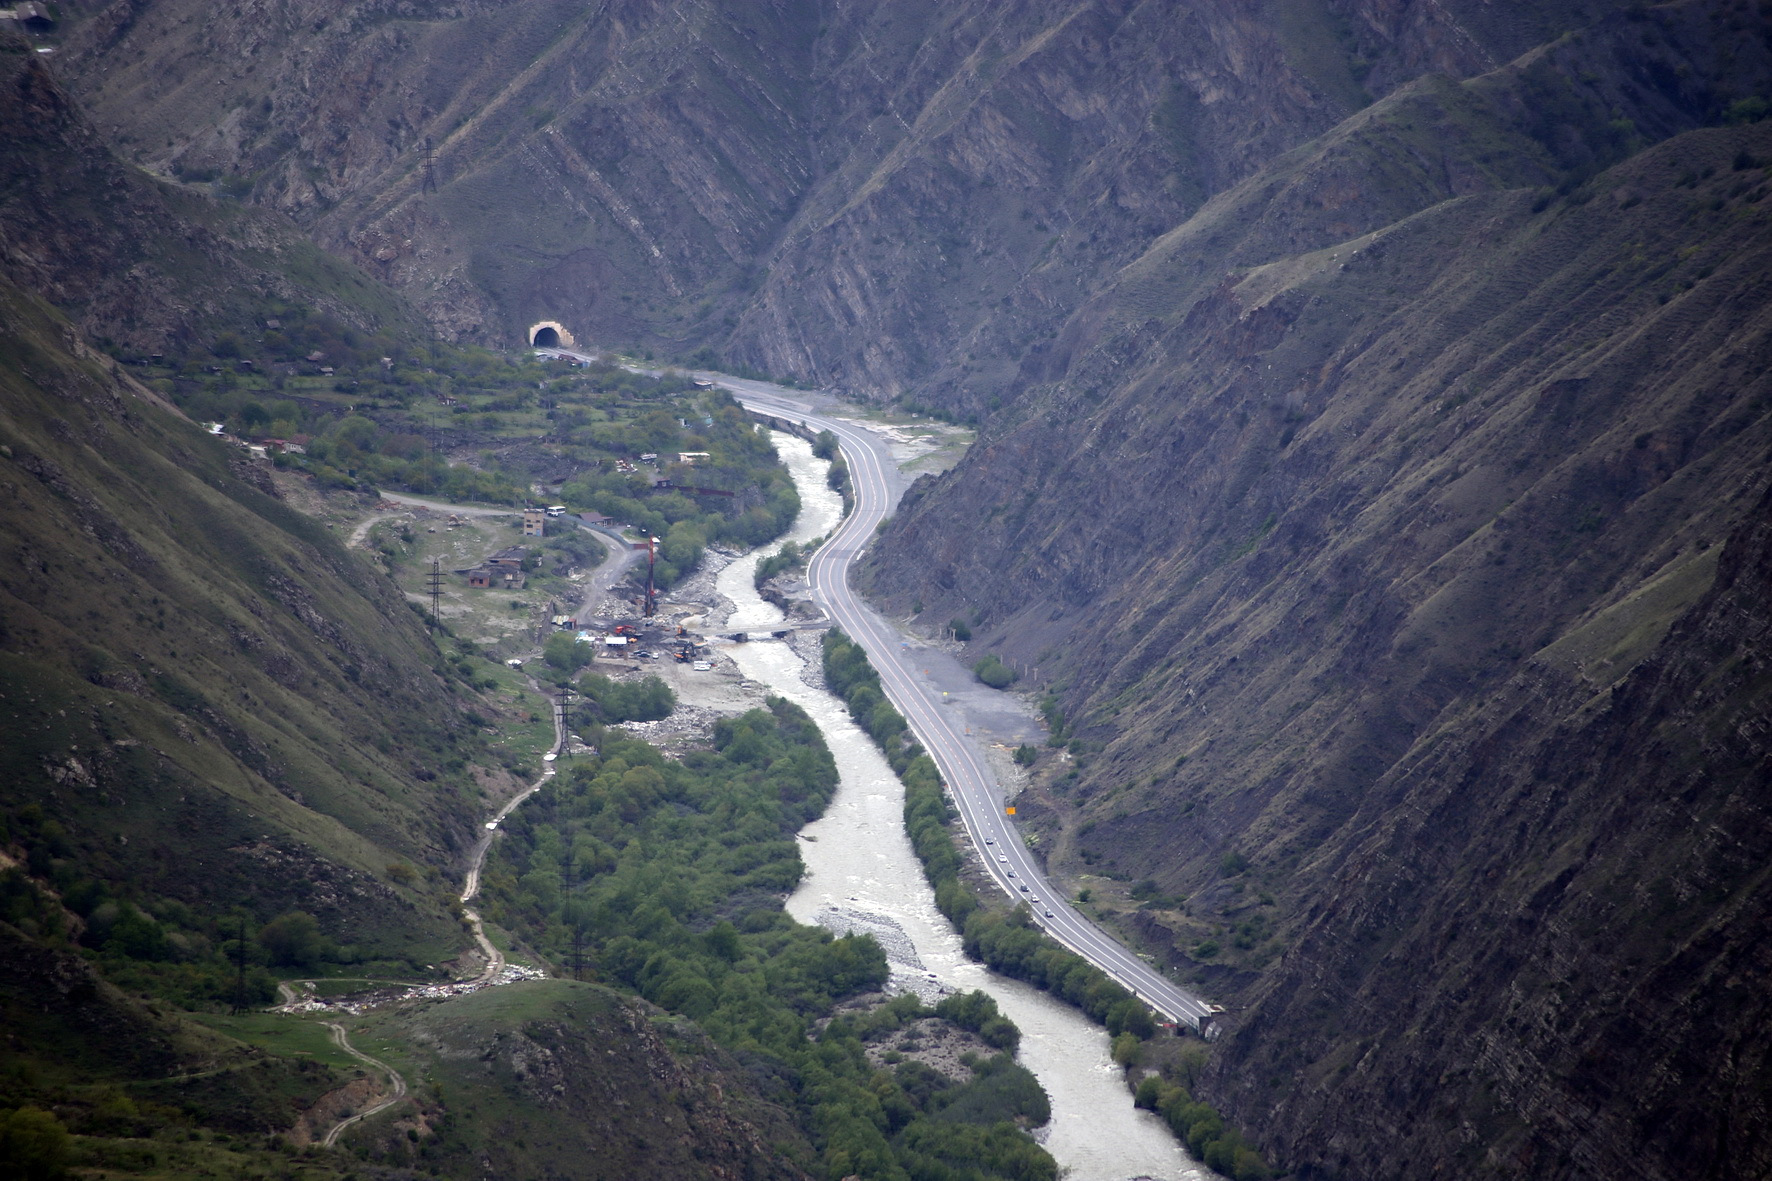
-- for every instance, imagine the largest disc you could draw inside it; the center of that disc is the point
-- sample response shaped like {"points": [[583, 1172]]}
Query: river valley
{"points": [[863, 875]]}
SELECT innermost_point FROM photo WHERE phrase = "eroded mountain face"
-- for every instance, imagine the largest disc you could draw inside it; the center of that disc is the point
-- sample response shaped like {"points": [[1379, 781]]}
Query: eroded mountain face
{"points": [[884, 197], [1374, 457], [1399, 589]]}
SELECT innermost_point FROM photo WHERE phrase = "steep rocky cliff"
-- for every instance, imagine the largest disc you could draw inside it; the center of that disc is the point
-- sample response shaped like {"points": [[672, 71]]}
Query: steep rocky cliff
{"points": [[888, 198], [1388, 534]]}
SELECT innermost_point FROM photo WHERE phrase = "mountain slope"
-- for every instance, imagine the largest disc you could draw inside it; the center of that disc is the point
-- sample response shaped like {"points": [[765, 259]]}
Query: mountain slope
{"points": [[1382, 561], [208, 701], [138, 265], [892, 200], [215, 701]]}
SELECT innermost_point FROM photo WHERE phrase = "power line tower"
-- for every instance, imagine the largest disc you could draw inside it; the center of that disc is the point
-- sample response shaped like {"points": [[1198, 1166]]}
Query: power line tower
{"points": [[430, 182], [563, 699], [435, 580]]}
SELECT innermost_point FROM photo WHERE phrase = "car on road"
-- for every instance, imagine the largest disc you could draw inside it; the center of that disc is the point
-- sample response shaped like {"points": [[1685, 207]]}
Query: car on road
{"points": [[491, 825], [1000, 857], [1024, 887], [990, 840], [1047, 913]]}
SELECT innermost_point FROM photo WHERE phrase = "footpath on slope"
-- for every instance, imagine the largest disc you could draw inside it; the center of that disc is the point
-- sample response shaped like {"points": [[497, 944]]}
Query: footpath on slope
{"points": [[495, 971], [396, 1085]]}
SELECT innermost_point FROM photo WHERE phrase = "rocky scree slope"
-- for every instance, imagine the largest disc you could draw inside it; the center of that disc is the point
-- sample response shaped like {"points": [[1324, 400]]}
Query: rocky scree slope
{"points": [[1390, 532], [893, 199], [141, 266]]}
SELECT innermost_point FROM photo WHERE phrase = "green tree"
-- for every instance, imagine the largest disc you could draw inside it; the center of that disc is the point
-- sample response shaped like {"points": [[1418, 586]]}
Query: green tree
{"points": [[33, 1145], [293, 940], [563, 651]]}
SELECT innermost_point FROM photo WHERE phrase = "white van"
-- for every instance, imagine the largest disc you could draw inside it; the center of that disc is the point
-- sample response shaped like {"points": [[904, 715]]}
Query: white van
{"points": [[556, 510]]}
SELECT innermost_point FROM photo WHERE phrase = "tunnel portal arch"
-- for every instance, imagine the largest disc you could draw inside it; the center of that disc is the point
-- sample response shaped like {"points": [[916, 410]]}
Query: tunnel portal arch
{"points": [[550, 334]]}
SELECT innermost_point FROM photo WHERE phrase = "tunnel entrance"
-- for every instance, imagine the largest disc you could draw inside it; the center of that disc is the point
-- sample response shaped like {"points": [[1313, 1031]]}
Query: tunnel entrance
{"points": [[550, 334]]}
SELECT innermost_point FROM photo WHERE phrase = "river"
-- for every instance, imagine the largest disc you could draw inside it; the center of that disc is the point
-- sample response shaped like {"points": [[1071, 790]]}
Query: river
{"points": [[863, 875]]}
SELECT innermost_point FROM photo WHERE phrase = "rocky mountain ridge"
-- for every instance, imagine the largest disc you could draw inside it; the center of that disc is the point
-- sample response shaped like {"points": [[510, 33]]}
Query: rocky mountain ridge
{"points": [[888, 200], [1353, 568]]}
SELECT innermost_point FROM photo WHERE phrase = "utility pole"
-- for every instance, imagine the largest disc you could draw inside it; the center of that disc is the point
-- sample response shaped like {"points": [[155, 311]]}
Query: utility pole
{"points": [[435, 579]]}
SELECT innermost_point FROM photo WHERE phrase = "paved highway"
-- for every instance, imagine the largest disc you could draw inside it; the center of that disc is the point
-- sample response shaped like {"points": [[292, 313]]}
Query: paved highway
{"points": [[975, 789]]}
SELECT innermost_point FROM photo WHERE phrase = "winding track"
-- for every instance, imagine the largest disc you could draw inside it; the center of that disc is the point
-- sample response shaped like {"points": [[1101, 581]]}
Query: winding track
{"points": [[396, 1084], [495, 959]]}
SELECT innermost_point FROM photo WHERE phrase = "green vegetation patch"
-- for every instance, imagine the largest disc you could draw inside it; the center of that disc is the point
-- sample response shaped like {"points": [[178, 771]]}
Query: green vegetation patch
{"points": [[1004, 939], [645, 700], [667, 877]]}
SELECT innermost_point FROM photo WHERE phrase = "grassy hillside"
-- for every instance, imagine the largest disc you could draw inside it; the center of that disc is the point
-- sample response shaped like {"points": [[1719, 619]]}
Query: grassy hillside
{"points": [[210, 704]]}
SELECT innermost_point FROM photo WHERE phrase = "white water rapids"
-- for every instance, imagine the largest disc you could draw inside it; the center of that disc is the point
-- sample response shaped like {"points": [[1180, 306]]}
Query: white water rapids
{"points": [[863, 875]]}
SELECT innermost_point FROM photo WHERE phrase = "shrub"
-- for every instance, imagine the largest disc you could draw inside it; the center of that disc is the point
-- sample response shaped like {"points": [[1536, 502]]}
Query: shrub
{"points": [[994, 673], [564, 652], [294, 940], [33, 1145], [645, 700]]}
